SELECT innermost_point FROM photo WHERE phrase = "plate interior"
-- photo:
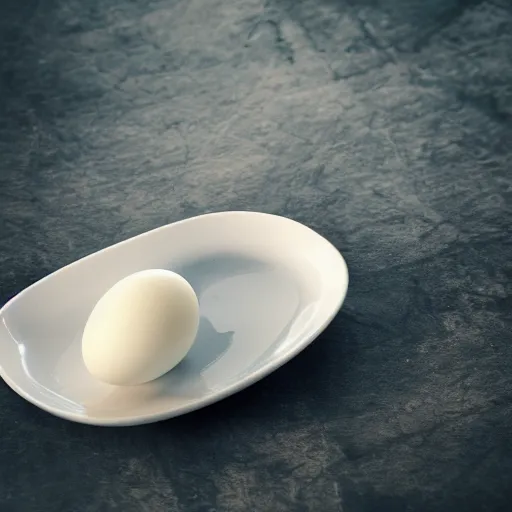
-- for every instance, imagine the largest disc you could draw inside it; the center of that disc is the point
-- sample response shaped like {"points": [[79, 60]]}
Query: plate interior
{"points": [[252, 311]]}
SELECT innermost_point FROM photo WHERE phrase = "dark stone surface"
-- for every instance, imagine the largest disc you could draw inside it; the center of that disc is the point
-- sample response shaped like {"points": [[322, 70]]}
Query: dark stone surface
{"points": [[384, 124]]}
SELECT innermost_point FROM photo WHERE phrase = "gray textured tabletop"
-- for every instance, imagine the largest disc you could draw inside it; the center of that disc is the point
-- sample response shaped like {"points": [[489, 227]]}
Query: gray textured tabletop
{"points": [[386, 125]]}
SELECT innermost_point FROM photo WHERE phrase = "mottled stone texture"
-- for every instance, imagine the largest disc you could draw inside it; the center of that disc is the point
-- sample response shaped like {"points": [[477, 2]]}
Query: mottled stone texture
{"points": [[384, 124]]}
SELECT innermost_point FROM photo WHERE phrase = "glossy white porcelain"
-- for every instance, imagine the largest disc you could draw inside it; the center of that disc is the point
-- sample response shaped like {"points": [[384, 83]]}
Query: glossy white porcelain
{"points": [[267, 287]]}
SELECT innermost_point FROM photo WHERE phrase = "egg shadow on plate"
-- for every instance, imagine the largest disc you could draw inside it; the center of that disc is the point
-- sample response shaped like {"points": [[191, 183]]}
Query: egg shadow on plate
{"points": [[185, 380], [208, 347]]}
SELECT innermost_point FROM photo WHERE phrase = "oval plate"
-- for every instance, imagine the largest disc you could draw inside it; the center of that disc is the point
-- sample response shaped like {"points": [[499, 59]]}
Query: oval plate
{"points": [[267, 287]]}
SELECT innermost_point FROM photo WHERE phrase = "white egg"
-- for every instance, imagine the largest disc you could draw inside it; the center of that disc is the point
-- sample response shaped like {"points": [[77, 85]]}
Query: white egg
{"points": [[141, 328]]}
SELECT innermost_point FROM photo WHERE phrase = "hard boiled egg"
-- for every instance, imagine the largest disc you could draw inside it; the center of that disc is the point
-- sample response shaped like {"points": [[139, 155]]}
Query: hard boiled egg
{"points": [[141, 328]]}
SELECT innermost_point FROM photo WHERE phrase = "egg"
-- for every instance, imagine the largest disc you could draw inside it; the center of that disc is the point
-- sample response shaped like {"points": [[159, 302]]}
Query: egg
{"points": [[141, 328]]}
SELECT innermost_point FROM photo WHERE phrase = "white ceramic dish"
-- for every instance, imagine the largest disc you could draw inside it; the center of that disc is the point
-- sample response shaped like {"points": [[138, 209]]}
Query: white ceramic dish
{"points": [[267, 287]]}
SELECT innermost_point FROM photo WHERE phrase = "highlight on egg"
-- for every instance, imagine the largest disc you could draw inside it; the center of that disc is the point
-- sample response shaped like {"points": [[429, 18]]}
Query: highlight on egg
{"points": [[141, 328]]}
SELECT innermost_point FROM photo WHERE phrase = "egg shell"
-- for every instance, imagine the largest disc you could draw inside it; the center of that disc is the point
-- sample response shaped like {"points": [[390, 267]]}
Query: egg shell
{"points": [[141, 328]]}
